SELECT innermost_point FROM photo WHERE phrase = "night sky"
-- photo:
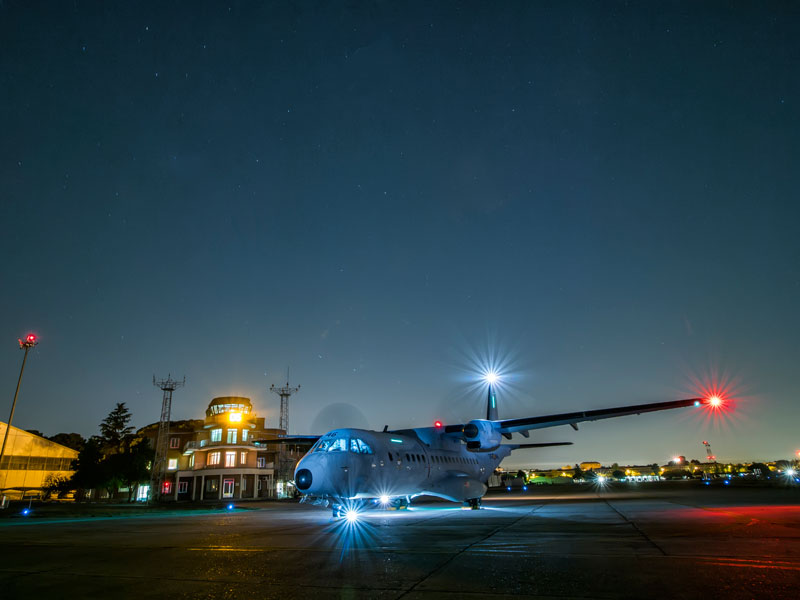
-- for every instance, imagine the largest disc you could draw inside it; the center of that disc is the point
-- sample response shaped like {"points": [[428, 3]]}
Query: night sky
{"points": [[600, 198]]}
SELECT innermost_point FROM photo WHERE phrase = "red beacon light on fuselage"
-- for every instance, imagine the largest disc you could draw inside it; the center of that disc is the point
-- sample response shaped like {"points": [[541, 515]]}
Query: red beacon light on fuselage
{"points": [[437, 424]]}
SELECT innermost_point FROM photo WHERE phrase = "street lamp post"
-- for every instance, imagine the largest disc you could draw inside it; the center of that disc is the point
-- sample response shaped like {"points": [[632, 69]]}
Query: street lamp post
{"points": [[29, 342]]}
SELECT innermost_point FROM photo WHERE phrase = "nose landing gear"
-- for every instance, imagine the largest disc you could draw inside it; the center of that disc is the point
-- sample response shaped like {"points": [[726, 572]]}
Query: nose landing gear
{"points": [[472, 503]]}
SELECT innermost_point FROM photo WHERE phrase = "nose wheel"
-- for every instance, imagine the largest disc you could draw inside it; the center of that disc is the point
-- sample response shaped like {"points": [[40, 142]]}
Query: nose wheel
{"points": [[473, 503]]}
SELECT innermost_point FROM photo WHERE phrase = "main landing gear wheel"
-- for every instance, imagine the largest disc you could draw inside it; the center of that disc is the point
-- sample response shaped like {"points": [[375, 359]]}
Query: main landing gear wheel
{"points": [[473, 503], [398, 504]]}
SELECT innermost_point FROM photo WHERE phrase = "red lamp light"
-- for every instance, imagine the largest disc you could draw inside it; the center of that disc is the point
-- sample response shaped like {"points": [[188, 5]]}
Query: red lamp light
{"points": [[437, 424]]}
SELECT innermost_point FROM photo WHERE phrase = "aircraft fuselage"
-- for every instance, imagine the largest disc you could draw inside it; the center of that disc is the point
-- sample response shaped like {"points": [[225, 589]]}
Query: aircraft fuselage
{"points": [[358, 463]]}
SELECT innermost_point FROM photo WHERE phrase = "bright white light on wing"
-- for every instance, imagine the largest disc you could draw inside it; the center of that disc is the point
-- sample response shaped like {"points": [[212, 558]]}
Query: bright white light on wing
{"points": [[492, 377], [384, 499], [351, 516]]}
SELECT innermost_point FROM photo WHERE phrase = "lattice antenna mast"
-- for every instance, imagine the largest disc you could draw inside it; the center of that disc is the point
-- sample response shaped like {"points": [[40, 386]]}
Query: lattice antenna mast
{"points": [[284, 392], [285, 461], [159, 473], [711, 457]]}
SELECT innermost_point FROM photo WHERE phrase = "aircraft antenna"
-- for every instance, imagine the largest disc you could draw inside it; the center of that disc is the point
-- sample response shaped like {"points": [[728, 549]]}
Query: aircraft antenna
{"points": [[159, 472]]}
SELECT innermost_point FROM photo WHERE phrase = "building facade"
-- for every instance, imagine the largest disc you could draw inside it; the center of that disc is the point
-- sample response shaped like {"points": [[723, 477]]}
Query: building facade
{"points": [[217, 458], [29, 460]]}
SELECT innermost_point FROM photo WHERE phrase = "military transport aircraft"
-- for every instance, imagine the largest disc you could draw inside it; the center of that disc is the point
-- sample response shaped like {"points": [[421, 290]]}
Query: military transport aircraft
{"points": [[347, 468]]}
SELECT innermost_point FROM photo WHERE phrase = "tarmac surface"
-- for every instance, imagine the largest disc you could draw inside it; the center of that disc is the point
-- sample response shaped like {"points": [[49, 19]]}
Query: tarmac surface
{"points": [[575, 541]]}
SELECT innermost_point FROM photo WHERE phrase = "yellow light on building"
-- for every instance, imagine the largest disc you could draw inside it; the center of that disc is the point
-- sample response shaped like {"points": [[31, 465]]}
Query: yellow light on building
{"points": [[235, 417]]}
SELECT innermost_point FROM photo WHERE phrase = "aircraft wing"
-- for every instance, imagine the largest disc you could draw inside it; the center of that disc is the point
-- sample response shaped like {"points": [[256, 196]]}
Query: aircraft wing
{"points": [[573, 418]]}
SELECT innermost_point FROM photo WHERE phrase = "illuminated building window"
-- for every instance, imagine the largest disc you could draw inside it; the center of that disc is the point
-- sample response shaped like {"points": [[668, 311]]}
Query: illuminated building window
{"points": [[232, 436], [183, 487], [243, 458], [244, 435], [174, 442], [230, 459], [212, 484], [216, 435], [213, 458], [191, 461], [172, 464], [244, 484], [261, 462]]}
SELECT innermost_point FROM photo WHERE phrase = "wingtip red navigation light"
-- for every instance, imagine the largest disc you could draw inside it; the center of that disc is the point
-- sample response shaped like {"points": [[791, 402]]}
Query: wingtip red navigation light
{"points": [[715, 401], [437, 424]]}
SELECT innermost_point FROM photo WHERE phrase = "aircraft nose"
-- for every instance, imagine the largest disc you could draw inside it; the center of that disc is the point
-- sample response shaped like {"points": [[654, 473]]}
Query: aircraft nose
{"points": [[303, 479]]}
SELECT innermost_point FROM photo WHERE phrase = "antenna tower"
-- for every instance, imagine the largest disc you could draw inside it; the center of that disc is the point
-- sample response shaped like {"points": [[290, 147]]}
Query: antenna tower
{"points": [[159, 473], [711, 457], [285, 462], [284, 392]]}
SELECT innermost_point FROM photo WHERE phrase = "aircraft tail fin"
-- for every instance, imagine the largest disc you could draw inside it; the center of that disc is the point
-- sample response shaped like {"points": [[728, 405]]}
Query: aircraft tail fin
{"points": [[491, 405]]}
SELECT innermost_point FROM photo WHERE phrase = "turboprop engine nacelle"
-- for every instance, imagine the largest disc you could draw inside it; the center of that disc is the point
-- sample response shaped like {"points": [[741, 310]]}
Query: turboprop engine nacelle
{"points": [[481, 435]]}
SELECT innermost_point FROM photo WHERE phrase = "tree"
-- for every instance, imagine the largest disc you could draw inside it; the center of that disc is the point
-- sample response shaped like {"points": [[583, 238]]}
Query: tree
{"points": [[35, 432], [89, 471], [618, 474], [55, 482], [131, 466], [115, 429], [577, 474], [71, 440]]}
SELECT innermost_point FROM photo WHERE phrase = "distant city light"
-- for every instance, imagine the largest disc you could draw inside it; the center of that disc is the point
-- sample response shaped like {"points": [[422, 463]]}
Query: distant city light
{"points": [[790, 472], [676, 459]]}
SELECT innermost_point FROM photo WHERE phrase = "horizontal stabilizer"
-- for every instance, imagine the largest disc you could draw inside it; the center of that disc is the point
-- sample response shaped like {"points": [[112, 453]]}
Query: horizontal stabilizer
{"points": [[290, 439]]}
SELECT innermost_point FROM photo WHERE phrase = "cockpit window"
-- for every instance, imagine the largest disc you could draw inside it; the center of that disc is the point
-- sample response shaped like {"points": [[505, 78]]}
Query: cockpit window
{"points": [[321, 446], [359, 446], [339, 445]]}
